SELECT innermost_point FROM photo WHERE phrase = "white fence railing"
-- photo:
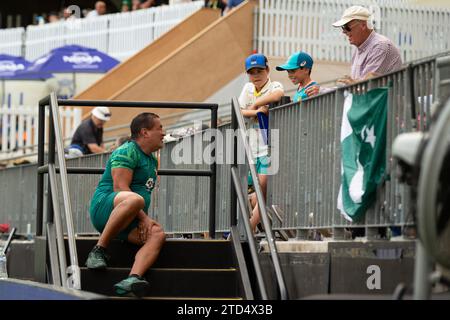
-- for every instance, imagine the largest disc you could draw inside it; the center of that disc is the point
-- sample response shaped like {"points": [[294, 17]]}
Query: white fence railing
{"points": [[19, 128], [129, 32], [120, 35], [286, 26], [11, 41], [87, 32]]}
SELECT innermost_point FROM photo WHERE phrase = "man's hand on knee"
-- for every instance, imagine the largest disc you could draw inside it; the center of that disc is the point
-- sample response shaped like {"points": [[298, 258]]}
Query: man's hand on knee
{"points": [[145, 227]]}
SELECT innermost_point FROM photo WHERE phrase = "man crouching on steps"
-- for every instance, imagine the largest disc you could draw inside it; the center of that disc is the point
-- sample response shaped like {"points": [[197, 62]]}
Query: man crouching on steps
{"points": [[119, 206]]}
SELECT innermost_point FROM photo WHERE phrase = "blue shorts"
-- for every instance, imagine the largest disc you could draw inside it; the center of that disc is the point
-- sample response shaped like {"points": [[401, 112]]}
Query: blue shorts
{"points": [[262, 165], [101, 210]]}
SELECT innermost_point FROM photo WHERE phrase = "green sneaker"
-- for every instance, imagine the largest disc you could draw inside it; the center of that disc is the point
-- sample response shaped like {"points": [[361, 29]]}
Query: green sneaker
{"points": [[132, 286], [97, 258]]}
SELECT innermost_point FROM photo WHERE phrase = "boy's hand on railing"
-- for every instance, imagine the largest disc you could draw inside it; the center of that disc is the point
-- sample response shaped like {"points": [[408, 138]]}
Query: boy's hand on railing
{"points": [[253, 107], [263, 109]]}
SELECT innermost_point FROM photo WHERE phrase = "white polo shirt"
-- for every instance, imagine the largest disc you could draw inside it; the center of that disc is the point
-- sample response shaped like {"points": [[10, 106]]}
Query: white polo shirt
{"points": [[246, 99]]}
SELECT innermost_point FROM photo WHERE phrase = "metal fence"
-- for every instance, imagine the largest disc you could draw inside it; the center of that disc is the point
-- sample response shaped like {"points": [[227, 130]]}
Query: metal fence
{"points": [[18, 187], [287, 26], [181, 203], [18, 197], [120, 35], [305, 187]]}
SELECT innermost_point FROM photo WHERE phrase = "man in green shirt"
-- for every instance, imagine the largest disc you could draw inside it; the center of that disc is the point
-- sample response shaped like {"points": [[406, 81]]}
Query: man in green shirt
{"points": [[119, 205]]}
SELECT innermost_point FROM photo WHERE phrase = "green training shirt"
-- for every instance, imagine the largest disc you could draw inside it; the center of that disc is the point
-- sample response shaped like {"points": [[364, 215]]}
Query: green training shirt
{"points": [[130, 156]]}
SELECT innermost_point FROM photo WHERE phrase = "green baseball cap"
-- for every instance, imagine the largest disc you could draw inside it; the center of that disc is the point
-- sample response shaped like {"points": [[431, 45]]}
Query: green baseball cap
{"points": [[297, 60]]}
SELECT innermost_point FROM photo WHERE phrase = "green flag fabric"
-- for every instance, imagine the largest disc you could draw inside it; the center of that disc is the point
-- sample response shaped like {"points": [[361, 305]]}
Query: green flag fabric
{"points": [[363, 151]]}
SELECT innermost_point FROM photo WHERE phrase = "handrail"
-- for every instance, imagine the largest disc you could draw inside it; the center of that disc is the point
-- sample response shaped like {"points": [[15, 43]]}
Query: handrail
{"points": [[251, 240], [61, 251], [74, 267], [8, 241], [238, 123]]}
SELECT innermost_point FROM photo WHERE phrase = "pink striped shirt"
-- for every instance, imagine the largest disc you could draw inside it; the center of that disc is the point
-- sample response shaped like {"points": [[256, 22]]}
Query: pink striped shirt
{"points": [[377, 54]]}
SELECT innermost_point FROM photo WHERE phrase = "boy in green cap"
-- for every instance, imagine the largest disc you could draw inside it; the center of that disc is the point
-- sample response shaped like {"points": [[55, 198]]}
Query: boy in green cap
{"points": [[298, 67]]}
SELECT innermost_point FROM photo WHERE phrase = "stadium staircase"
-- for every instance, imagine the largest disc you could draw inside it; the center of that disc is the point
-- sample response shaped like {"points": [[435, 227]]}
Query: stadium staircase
{"points": [[185, 269]]}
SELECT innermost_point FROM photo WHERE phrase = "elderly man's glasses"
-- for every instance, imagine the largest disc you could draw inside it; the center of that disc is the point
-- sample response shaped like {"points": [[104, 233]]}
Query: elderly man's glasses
{"points": [[347, 27]]}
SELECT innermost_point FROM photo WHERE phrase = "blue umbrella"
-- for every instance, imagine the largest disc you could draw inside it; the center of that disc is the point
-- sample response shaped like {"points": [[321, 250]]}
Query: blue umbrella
{"points": [[16, 68], [74, 58], [11, 65]]}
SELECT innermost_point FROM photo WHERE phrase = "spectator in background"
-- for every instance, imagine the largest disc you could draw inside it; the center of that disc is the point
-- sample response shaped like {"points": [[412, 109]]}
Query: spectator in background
{"points": [[151, 3], [67, 14], [216, 4], [119, 141], [126, 6], [135, 5], [231, 4], [53, 17], [100, 9], [298, 67], [254, 98], [147, 4], [88, 138], [375, 54], [170, 2]]}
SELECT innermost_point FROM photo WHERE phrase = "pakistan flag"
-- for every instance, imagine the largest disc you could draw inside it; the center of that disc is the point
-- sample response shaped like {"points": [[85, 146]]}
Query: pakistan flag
{"points": [[363, 148]]}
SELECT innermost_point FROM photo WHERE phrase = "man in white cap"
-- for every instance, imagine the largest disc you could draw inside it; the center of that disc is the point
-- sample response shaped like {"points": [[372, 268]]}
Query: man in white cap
{"points": [[88, 138], [375, 54]]}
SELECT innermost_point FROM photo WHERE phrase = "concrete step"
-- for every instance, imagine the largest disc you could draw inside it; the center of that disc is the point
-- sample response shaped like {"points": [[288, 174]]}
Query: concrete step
{"points": [[168, 282], [206, 254]]}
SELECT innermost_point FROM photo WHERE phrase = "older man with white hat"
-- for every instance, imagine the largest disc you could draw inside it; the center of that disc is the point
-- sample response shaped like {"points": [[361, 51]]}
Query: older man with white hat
{"points": [[88, 138], [375, 54]]}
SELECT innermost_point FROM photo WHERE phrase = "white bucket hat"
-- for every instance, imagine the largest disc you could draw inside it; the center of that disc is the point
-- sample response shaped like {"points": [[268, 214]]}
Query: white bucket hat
{"points": [[353, 13], [102, 113]]}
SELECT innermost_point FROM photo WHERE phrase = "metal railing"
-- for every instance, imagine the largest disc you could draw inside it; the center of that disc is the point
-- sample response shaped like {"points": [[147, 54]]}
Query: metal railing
{"points": [[287, 26], [54, 225], [307, 184], [181, 212], [238, 196], [305, 188]]}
